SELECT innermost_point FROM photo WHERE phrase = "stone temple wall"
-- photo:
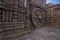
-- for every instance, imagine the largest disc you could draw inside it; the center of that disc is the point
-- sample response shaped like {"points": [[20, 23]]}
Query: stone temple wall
{"points": [[53, 16], [14, 18]]}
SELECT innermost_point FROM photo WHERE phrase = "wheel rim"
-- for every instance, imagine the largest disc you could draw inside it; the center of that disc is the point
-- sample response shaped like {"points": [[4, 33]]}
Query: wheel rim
{"points": [[37, 17]]}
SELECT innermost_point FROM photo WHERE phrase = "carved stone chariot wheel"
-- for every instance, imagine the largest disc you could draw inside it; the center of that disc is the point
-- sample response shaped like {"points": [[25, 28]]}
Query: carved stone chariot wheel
{"points": [[37, 17]]}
